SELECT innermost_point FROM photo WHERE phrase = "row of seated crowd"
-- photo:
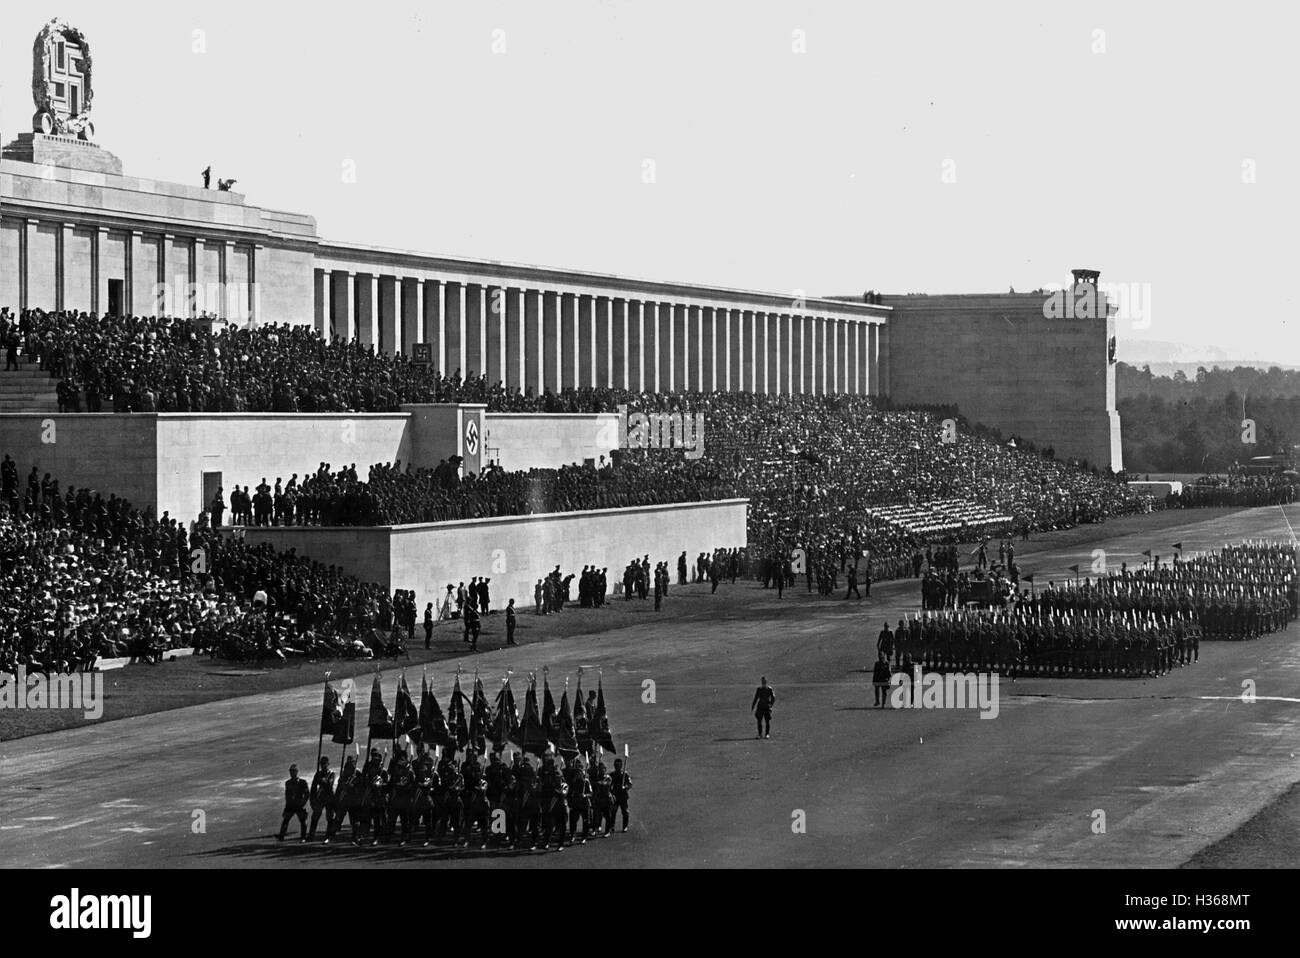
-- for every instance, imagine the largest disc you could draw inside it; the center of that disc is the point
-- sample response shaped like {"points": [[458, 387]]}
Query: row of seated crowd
{"points": [[816, 469], [86, 576]]}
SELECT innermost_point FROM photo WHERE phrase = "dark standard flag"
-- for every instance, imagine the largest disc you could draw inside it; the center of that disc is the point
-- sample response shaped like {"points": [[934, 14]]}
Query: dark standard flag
{"points": [[380, 721], [566, 739], [433, 727], [600, 733], [532, 738], [549, 724], [505, 720], [581, 727], [456, 716], [480, 717], [407, 718]]}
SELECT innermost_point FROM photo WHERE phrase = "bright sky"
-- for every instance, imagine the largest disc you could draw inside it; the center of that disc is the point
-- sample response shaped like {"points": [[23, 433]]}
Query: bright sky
{"points": [[525, 131]]}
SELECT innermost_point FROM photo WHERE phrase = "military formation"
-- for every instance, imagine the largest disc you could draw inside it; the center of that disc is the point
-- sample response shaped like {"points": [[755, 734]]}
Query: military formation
{"points": [[1133, 622], [428, 791], [1023, 643]]}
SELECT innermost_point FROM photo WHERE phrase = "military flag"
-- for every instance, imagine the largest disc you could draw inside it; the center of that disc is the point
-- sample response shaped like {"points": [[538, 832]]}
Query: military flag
{"points": [[600, 733], [380, 720], [532, 738], [480, 719], [566, 738], [581, 727], [459, 726], [549, 724], [345, 725], [505, 720], [433, 727], [331, 710], [407, 718]]}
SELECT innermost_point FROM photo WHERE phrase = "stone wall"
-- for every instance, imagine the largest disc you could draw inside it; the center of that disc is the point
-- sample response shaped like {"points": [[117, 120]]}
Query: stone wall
{"points": [[102, 451], [521, 441], [515, 551], [1002, 363]]}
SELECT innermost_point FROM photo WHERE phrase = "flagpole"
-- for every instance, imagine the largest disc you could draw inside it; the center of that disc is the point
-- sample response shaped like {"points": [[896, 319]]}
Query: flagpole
{"points": [[320, 738]]}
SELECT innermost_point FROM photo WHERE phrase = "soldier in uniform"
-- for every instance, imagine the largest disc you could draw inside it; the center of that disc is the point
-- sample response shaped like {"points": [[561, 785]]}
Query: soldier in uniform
{"points": [[376, 781], [761, 706], [296, 794], [350, 791], [620, 783], [602, 799], [579, 799], [322, 799]]}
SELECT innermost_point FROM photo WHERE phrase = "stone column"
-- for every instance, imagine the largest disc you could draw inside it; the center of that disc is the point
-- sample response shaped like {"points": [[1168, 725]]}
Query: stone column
{"points": [[549, 372], [254, 290], [776, 376], [735, 351], [386, 343], [408, 290], [885, 378], [708, 348], [636, 345], [494, 320], [664, 347], [453, 328], [678, 380], [96, 268], [601, 320], [61, 265], [514, 339], [533, 375], [570, 365], [475, 305], [586, 340], [873, 366], [323, 295], [618, 356], [226, 308], [435, 310]]}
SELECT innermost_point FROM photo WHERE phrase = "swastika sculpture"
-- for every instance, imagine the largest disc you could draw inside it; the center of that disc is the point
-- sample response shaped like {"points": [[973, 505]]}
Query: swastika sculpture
{"points": [[61, 82]]}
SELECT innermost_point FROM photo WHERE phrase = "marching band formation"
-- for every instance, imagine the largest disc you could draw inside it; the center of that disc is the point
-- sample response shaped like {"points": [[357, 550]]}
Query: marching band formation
{"points": [[511, 804], [1134, 622]]}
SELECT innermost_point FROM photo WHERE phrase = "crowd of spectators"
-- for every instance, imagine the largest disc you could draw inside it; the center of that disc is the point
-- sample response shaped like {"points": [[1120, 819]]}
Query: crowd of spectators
{"points": [[86, 576], [812, 466]]}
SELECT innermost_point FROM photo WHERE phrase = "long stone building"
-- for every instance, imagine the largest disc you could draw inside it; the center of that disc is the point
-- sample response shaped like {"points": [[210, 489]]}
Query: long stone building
{"points": [[77, 233]]}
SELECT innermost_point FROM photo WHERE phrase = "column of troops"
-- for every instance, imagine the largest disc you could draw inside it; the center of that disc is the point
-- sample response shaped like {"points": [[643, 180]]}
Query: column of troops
{"points": [[1139, 622], [450, 800], [513, 803]]}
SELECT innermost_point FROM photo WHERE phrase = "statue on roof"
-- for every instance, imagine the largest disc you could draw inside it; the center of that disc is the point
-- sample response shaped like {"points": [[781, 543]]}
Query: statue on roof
{"points": [[61, 82]]}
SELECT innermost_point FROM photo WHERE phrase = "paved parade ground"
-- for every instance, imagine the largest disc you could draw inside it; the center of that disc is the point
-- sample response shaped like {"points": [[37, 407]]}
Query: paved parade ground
{"points": [[1170, 766]]}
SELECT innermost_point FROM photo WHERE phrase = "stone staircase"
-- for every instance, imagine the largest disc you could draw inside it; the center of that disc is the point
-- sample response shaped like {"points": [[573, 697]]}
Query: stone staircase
{"points": [[29, 390]]}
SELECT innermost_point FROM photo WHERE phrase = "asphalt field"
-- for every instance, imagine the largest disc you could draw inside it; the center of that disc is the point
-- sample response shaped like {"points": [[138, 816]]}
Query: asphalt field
{"points": [[1181, 769]]}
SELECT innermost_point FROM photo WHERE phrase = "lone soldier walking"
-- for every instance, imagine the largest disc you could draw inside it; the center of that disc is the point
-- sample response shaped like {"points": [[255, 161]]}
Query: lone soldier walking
{"points": [[295, 804], [764, 698], [510, 622], [853, 582]]}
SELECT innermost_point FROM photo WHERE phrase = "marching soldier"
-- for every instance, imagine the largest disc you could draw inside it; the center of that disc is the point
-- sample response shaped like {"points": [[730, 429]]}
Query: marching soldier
{"points": [[296, 794], [761, 706], [322, 799]]}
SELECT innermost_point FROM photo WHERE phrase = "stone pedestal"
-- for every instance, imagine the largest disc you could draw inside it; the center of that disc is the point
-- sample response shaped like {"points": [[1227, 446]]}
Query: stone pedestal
{"points": [[65, 151]]}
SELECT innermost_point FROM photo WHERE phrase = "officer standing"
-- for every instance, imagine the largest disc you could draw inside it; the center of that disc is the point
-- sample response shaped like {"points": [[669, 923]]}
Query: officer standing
{"points": [[295, 804], [764, 699], [510, 622]]}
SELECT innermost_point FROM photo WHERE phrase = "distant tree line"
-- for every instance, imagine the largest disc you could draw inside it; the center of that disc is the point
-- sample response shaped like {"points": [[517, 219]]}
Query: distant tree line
{"points": [[1181, 424]]}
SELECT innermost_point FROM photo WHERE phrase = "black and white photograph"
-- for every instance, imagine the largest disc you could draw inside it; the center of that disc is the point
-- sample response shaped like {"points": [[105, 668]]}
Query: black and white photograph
{"points": [[620, 436]]}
